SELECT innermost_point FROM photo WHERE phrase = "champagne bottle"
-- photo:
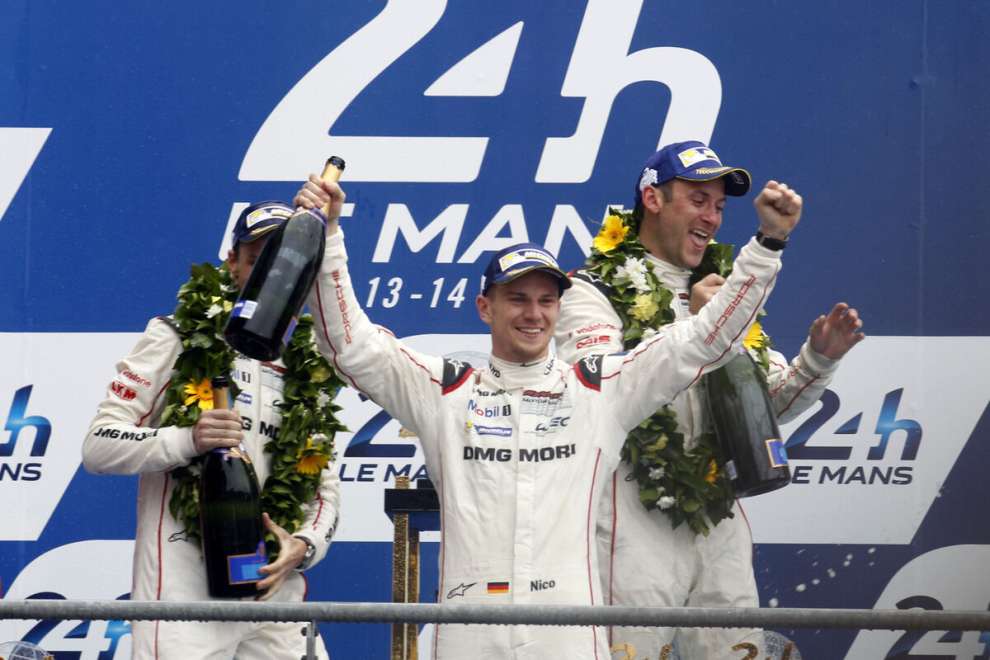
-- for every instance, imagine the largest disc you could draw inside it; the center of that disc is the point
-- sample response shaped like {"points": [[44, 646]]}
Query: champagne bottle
{"points": [[262, 320], [746, 427], [230, 517]]}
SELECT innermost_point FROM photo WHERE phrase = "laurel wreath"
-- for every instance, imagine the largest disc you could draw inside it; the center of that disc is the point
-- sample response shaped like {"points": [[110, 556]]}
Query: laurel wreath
{"points": [[689, 486], [303, 445]]}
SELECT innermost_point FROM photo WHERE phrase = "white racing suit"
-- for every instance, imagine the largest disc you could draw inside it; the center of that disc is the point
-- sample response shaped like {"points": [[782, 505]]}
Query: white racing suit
{"points": [[125, 438], [520, 454], [696, 571]]}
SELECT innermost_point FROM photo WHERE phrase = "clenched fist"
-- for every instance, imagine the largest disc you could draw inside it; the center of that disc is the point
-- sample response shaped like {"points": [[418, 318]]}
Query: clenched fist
{"points": [[704, 290], [779, 209], [317, 193]]}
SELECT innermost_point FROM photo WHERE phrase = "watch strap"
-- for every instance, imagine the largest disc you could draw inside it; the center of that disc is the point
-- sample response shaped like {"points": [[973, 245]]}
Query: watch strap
{"points": [[769, 243], [308, 557]]}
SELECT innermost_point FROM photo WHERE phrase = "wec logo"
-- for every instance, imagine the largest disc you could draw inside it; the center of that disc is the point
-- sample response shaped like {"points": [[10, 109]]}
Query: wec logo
{"points": [[299, 131]]}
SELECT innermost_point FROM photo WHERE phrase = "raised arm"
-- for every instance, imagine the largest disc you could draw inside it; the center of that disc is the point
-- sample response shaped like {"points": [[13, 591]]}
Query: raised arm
{"points": [[407, 384], [660, 367], [587, 324]]}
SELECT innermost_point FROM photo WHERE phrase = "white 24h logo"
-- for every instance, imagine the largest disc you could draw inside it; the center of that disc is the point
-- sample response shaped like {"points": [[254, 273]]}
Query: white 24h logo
{"points": [[294, 136]]}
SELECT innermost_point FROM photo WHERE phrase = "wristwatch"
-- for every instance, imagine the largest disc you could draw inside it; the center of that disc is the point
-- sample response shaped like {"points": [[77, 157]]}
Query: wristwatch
{"points": [[308, 557], [775, 244]]}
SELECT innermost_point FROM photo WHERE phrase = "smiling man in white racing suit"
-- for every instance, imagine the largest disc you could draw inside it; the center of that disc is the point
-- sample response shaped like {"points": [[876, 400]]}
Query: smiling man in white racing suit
{"points": [[519, 485], [680, 195], [125, 438]]}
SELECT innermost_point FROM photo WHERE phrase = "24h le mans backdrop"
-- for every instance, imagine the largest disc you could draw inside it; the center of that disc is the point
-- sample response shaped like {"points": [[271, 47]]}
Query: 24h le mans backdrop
{"points": [[130, 134]]}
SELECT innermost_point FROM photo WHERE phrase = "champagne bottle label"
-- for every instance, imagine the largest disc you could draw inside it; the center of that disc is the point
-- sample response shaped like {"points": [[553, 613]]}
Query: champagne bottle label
{"points": [[746, 427], [776, 452], [244, 309], [730, 469], [242, 569]]}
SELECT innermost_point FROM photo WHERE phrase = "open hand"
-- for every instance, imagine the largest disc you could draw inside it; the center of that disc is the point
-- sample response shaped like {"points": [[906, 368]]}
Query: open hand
{"points": [[833, 335], [290, 554]]}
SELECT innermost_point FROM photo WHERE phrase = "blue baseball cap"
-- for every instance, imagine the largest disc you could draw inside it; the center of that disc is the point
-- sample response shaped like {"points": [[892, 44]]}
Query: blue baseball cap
{"points": [[516, 260], [691, 161], [259, 219]]}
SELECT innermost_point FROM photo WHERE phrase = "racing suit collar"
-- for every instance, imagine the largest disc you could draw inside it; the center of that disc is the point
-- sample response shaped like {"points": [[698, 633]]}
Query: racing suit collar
{"points": [[669, 275], [513, 375]]}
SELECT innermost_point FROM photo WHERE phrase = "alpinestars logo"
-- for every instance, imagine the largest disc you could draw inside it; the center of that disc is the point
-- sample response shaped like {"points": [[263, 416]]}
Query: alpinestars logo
{"points": [[459, 590]]}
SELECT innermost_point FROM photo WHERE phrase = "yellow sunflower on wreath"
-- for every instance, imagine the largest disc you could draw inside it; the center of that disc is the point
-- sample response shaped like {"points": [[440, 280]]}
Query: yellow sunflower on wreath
{"points": [[201, 393], [612, 233]]}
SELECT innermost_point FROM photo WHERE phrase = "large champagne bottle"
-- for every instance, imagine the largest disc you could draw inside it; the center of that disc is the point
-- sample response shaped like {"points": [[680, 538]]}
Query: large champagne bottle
{"points": [[230, 517], [262, 320], [746, 427]]}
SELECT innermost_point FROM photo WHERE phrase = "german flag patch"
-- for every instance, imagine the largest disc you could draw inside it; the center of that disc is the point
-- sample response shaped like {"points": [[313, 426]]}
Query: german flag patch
{"points": [[498, 587]]}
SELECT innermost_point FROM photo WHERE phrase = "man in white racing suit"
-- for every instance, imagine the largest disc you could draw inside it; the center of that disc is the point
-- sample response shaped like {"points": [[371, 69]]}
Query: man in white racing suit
{"points": [[125, 438], [519, 485], [679, 200]]}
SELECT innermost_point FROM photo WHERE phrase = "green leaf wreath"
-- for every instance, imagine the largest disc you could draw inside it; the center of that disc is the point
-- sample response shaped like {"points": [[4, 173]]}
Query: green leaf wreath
{"points": [[304, 444], [689, 486]]}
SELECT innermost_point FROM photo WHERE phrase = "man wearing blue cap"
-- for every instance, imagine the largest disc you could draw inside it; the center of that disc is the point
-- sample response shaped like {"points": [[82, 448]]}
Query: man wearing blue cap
{"points": [[519, 488], [645, 559], [127, 437]]}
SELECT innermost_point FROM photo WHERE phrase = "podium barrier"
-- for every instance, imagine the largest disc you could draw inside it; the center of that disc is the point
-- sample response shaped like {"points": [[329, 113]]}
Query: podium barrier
{"points": [[539, 615]]}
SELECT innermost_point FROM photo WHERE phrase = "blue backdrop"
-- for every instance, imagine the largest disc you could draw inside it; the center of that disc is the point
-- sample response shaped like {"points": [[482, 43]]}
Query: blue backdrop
{"points": [[130, 131]]}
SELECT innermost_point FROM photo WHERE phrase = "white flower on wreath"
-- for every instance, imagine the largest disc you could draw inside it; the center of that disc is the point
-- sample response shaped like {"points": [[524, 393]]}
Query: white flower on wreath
{"points": [[665, 502], [650, 332], [634, 270], [656, 473], [213, 310]]}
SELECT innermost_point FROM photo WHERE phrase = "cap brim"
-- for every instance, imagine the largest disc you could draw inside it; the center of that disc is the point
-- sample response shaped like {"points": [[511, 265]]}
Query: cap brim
{"points": [[737, 186], [255, 234]]}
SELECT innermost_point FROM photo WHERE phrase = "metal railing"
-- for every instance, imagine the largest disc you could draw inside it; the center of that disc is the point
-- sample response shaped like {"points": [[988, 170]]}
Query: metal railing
{"points": [[539, 615]]}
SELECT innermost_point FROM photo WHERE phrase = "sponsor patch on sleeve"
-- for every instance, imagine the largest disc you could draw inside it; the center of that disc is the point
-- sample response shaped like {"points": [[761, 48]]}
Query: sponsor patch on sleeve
{"points": [[589, 371], [122, 391], [593, 341], [455, 373]]}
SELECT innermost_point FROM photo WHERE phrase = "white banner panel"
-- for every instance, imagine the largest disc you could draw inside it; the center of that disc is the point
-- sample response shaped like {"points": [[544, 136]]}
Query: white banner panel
{"points": [[900, 412]]}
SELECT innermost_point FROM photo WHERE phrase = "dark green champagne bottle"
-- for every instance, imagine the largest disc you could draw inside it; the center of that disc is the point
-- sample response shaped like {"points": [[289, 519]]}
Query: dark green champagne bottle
{"points": [[262, 320], [746, 427], [230, 517]]}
